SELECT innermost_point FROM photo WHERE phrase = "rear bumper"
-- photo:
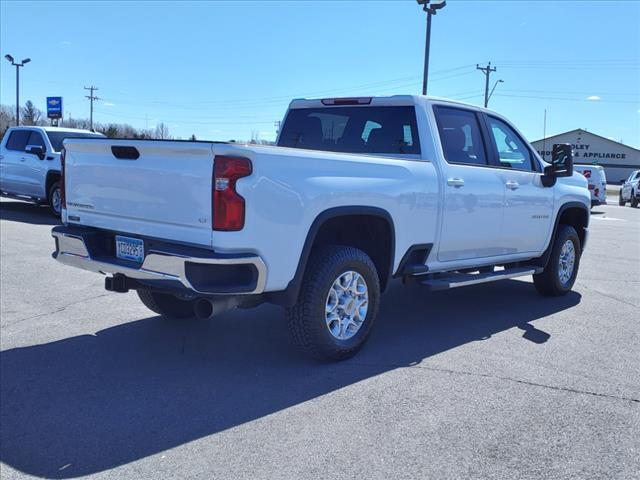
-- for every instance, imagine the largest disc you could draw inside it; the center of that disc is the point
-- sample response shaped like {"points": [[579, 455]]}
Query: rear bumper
{"points": [[165, 266]]}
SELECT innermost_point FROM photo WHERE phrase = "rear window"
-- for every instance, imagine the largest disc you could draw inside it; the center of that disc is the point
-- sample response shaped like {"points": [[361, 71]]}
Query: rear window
{"points": [[18, 140], [56, 138], [352, 129]]}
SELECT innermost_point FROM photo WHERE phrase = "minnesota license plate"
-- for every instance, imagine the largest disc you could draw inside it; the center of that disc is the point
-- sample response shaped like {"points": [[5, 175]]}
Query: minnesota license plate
{"points": [[129, 248]]}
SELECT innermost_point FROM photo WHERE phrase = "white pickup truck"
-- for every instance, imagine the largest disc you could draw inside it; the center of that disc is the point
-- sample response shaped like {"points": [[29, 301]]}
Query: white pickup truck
{"points": [[30, 163], [357, 192]]}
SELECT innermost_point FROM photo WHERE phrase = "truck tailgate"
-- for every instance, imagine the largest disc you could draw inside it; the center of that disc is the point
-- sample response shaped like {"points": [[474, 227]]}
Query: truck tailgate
{"points": [[165, 192]]}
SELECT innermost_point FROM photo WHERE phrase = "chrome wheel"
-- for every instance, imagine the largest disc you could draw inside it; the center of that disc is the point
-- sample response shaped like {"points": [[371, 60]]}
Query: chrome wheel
{"points": [[55, 201], [347, 304], [566, 262]]}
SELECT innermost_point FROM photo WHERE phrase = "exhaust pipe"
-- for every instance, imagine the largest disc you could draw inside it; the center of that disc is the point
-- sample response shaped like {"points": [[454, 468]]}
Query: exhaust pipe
{"points": [[205, 308]]}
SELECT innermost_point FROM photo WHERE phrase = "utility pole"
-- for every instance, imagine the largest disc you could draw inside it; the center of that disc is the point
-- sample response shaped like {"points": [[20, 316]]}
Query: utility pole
{"points": [[277, 125], [487, 73], [91, 98]]}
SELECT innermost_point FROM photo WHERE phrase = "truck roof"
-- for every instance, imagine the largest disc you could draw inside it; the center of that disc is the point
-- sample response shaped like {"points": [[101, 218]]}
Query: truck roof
{"points": [[391, 100], [54, 129]]}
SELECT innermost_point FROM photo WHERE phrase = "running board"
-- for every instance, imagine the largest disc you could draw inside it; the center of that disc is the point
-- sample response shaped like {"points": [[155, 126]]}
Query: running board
{"points": [[464, 279]]}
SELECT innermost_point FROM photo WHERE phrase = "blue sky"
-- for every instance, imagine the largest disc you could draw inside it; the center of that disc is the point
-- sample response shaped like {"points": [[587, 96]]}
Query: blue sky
{"points": [[223, 70]]}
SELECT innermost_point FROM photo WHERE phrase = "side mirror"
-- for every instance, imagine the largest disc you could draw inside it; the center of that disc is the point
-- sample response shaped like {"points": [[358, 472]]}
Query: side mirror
{"points": [[36, 150], [561, 164], [562, 160]]}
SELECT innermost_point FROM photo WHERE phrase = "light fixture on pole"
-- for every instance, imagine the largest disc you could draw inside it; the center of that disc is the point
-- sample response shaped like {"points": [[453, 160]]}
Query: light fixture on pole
{"points": [[494, 87], [431, 7], [17, 65]]}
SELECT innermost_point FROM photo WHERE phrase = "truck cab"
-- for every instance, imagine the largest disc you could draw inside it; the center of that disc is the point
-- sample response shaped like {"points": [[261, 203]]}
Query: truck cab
{"points": [[30, 163]]}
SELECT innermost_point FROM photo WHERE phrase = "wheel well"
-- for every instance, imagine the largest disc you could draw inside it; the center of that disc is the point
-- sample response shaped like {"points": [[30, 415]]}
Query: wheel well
{"points": [[370, 233], [51, 178], [578, 218]]}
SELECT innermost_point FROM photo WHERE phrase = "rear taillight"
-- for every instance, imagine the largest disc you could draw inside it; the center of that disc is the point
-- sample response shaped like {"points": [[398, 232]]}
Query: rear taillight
{"points": [[227, 206], [63, 195]]}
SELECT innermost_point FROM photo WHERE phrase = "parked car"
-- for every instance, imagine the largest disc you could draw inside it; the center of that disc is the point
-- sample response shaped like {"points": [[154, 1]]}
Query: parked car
{"points": [[30, 163], [357, 192], [630, 190], [597, 179]]}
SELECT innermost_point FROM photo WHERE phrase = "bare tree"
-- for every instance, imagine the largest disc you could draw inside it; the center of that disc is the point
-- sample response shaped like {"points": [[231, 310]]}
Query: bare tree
{"points": [[162, 131], [7, 118]]}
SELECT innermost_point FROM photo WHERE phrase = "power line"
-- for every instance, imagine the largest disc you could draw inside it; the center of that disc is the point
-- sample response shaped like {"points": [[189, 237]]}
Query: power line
{"points": [[91, 98]]}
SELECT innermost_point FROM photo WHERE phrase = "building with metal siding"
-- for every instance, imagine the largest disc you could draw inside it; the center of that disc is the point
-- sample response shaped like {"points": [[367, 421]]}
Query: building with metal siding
{"points": [[618, 159]]}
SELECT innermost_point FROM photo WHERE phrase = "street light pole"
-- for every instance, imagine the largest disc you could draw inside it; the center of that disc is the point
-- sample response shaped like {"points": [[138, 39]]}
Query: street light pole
{"points": [[494, 87], [17, 65], [431, 10]]}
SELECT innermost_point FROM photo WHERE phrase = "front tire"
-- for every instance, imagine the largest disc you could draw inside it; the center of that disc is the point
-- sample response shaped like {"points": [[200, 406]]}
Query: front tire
{"points": [[634, 200], [621, 202], [560, 273], [54, 199], [166, 304], [337, 305]]}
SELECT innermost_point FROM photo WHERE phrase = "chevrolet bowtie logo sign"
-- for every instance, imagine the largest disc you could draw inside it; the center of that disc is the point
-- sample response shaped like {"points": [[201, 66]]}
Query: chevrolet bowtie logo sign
{"points": [[54, 107]]}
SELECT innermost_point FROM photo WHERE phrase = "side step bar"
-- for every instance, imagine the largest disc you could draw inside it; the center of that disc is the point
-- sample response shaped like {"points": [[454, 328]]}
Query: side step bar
{"points": [[464, 279]]}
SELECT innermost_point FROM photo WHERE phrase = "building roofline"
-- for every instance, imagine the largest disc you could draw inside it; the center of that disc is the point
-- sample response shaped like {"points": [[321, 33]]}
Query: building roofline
{"points": [[590, 133]]}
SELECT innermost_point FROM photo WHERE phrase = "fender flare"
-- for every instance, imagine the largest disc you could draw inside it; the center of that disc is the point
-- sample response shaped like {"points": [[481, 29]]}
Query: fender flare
{"points": [[544, 259], [289, 296]]}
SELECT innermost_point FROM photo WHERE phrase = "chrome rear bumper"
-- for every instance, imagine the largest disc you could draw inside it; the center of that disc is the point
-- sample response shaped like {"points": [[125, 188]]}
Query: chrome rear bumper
{"points": [[72, 248]]}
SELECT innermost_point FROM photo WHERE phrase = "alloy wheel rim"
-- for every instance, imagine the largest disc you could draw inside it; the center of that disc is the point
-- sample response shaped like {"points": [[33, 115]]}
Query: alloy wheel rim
{"points": [[566, 262], [55, 200], [347, 304]]}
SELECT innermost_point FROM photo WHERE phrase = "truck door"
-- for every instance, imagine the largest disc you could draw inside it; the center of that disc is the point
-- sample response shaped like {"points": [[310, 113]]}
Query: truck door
{"points": [[34, 168], [11, 178], [473, 190], [528, 206]]}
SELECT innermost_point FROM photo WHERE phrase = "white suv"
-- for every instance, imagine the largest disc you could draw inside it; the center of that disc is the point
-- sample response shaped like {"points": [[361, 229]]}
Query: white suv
{"points": [[630, 191]]}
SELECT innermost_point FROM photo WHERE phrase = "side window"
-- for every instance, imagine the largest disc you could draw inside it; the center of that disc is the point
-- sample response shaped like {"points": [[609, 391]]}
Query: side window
{"points": [[460, 136], [36, 139], [18, 140], [512, 151], [368, 128]]}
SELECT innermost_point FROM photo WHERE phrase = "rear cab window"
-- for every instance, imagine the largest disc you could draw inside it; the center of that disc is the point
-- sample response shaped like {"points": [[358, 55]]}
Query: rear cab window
{"points": [[56, 138], [353, 129]]}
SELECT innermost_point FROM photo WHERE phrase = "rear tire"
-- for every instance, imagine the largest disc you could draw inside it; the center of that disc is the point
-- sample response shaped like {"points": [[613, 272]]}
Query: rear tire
{"points": [[166, 304], [54, 200], [337, 305], [560, 273]]}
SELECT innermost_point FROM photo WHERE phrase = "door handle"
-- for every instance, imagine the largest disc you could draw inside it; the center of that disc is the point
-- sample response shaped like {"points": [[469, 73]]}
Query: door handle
{"points": [[511, 185], [455, 182], [22, 159]]}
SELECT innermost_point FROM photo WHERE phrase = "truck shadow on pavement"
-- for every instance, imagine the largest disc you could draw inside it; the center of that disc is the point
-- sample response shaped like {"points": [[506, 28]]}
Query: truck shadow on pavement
{"points": [[24, 212], [90, 403]]}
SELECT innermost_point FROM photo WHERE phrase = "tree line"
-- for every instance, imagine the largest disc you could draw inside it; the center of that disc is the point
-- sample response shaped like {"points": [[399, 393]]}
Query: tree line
{"points": [[30, 115]]}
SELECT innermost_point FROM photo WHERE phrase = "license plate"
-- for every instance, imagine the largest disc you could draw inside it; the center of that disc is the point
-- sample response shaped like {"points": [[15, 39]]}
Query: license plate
{"points": [[129, 248]]}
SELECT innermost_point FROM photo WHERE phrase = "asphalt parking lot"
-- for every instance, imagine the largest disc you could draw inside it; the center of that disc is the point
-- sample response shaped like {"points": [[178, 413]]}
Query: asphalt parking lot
{"points": [[490, 381]]}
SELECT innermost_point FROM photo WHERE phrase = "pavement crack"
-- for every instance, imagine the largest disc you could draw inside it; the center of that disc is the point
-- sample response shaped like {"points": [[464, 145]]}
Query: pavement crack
{"points": [[609, 296], [514, 380], [57, 310]]}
